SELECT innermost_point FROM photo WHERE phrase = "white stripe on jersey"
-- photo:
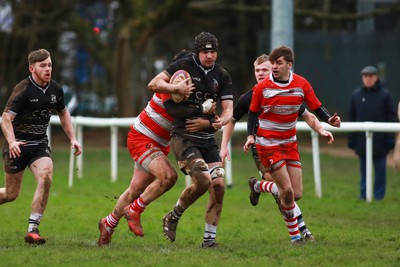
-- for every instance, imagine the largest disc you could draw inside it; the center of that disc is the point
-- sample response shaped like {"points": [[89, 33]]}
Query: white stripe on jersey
{"points": [[153, 124], [262, 141], [272, 92], [157, 118], [142, 128], [158, 100], [275, 126]]}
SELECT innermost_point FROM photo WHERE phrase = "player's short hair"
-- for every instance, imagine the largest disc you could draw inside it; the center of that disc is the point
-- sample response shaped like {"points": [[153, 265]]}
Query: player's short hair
{"points": [[282, 51], [261, 59], [205, 41], [38, 56]]}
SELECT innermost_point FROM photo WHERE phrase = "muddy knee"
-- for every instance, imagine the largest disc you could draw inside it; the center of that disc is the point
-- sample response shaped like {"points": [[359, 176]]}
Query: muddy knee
{"points": [[198, 170]]}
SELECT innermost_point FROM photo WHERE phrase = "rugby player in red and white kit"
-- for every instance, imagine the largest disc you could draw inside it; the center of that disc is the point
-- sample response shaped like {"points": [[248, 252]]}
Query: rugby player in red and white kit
{"points": [[279, 99], [148, 144], [262, 69]]}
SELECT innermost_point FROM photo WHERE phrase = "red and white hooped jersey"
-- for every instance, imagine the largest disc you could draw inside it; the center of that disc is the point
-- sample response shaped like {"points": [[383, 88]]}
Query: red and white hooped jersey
{"points": [[153, 121], [279, 104]]}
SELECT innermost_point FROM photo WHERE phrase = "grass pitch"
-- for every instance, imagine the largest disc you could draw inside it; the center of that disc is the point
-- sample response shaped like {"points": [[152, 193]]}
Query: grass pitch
{"points": [[349, 232]]}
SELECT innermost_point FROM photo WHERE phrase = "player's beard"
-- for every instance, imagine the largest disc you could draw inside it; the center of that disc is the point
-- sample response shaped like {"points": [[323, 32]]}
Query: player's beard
{"points": [[45, 78]]}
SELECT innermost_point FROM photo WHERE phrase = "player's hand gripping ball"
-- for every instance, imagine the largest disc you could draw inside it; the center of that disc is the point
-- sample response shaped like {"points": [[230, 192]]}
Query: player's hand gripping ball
{"points": [[176, 78]]}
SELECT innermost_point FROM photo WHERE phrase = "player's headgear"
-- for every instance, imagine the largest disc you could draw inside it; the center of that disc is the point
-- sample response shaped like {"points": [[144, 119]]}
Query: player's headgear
{"points": [[205, 41]]}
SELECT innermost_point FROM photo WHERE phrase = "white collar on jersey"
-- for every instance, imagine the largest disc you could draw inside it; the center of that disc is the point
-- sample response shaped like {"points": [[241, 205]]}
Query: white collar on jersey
{"points": [[43, 89], [282, 84], [201, 67]]}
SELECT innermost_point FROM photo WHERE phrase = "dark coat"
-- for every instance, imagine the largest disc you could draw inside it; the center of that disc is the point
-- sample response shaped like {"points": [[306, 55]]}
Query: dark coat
{"points": [[372, 104]]}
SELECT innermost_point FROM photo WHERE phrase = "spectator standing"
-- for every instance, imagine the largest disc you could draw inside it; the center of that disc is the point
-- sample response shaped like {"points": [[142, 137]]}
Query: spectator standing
{"points": [[372, 102]]}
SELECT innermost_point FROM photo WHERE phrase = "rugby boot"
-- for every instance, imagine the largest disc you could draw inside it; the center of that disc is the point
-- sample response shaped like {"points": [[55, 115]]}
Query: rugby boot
{"points": [[309, 237], [105, 234], [133, 219], [209, 244], [170, 222], [33, 237], [254, 196], [298, 242]]}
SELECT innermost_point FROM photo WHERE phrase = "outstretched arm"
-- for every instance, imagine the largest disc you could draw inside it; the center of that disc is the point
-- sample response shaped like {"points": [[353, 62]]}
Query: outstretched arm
{"points": [[314, 124], [324, 115]]}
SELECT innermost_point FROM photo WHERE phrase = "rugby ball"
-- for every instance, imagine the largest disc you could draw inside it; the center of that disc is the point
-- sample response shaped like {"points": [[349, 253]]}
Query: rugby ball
{"points": [[176, 78]]}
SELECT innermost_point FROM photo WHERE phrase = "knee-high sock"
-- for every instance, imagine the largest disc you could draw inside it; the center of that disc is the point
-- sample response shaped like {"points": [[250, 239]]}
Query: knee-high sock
{"points": [[291, 223]]}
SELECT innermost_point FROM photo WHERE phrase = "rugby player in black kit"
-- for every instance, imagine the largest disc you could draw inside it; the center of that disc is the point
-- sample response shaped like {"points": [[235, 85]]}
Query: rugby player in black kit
{"points": [[197, 152]]}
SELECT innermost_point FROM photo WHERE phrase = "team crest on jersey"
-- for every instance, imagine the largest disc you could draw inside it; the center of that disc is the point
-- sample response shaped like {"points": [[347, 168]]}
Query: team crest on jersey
{"points": [[149, 145], [53, 98]]}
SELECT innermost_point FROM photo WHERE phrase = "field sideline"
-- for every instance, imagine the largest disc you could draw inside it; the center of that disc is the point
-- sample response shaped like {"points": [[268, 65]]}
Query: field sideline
{"points": [[349, 232]]}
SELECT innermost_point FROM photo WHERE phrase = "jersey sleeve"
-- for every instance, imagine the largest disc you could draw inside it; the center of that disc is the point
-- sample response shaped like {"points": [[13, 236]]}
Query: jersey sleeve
{"points": [[309, 96], [61, 102], [242, 106], [256, 99], [164, 97], [15, 102], [302, 111], [226, 92]]}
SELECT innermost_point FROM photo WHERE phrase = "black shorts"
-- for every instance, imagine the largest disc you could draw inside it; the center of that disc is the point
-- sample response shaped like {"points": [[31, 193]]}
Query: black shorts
{"points": [[186, 149], [28, 155]]}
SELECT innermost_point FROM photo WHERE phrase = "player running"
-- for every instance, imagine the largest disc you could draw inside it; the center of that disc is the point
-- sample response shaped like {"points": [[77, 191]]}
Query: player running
{"points": [[262, 69], [154, 174], [24, 123], [276, 102], [197, 153]]}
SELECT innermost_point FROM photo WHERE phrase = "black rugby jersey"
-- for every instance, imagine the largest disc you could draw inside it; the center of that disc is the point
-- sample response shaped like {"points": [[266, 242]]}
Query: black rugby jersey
{"points": [[32, 106], [214, 83]]}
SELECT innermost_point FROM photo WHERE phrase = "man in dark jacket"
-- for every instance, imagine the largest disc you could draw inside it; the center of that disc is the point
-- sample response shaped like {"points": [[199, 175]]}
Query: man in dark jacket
{"points": [[372, 102]]}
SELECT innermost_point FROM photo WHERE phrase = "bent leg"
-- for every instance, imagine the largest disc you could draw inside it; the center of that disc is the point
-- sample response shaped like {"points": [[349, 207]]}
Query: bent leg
{"points": [[201, 178], [140, 180], [165, 178], [12, 187]]}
